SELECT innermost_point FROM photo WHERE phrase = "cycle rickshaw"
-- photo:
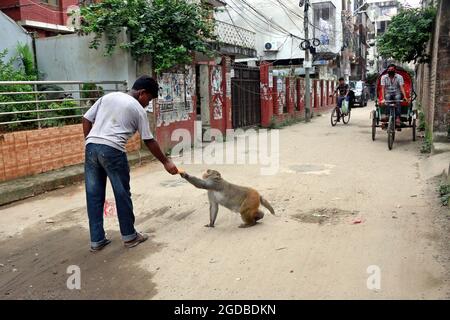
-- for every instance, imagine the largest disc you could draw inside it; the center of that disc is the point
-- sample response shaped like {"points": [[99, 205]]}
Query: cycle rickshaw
{"points": [[384, 115]]}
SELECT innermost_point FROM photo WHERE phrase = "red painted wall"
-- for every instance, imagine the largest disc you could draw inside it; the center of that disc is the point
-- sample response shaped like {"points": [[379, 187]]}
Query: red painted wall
{"points": [[267, 101], [295, 86], [37, 11], [218, 98]]}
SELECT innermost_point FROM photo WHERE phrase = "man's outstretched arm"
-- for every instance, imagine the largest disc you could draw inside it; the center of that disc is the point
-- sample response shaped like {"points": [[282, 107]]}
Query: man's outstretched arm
{"points": [[154, 148]]}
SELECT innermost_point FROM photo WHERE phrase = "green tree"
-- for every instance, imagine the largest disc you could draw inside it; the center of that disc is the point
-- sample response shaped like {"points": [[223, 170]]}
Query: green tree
{"points": [[407, 35], [167, 30], [25, 55]]}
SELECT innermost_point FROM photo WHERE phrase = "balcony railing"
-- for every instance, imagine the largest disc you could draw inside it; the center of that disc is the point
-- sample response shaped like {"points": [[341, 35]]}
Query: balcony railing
{"points": [[230, 34]]}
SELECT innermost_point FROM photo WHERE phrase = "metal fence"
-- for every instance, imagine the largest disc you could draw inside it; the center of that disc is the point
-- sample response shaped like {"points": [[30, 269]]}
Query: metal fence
{"points": [[34, 104]]}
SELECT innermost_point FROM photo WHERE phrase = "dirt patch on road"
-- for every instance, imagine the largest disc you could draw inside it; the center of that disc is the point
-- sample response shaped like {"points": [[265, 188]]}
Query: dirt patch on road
{"points": [[324, 215], [34, 266]]}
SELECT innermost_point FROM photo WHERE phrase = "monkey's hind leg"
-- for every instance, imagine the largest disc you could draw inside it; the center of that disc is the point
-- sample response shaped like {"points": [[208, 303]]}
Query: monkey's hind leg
{"points": [[259, 215], [249, 210]]}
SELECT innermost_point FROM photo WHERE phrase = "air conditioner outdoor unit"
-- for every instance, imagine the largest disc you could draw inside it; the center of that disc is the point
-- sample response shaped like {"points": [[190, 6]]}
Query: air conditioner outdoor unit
{"points": [[271, 46]]}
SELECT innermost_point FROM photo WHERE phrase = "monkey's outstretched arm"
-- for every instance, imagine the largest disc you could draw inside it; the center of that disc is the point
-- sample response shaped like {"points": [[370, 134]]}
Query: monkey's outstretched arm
{"points": [[199, 183]]}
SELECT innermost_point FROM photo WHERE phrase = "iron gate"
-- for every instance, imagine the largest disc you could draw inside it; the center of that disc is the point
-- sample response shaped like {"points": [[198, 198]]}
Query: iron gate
{"points": [[245, 96]]}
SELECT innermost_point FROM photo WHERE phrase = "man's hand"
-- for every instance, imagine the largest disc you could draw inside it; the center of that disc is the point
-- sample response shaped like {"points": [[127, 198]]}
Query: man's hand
{"points": [[382, 101], [170, 167]]}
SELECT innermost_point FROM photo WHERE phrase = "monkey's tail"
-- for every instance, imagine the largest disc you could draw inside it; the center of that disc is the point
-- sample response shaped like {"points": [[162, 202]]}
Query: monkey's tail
{"points": [[266, 204]]}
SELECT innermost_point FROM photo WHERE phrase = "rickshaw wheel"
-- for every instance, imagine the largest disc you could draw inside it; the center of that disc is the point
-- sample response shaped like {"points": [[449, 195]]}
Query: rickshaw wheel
{"points": [[374, 125], [333, 117], [414, 129], [391, 132]]}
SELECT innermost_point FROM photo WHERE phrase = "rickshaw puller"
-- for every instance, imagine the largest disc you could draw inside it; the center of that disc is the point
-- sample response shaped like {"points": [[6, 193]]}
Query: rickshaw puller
{"points": [[392, 86]]}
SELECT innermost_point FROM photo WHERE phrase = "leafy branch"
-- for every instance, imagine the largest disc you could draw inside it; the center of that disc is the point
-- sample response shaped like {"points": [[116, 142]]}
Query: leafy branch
{"points": [[407, 35], [167, 30]]}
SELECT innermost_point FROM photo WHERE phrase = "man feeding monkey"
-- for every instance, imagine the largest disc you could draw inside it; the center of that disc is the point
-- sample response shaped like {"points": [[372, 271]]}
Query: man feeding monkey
{"points": [[107, 126]]}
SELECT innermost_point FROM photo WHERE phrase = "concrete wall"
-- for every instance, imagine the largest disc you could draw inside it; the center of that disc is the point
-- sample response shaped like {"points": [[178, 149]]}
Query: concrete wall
{"points": [[69, 57], [11, 34]]}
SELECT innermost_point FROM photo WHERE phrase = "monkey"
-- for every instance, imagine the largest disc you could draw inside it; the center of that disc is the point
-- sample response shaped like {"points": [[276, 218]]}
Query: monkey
{"points": [[240, 199]]}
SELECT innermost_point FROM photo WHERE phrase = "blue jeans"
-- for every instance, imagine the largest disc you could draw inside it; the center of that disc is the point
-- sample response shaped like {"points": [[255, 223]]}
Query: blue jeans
{"points": [[340, 99], [398, 107], [102, 161]]}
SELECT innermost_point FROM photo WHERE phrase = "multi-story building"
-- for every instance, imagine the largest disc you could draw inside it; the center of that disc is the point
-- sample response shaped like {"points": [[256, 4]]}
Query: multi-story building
{"points": [[277, 24], [362, 26], [279, 31], [385, 10], [327, 27], [381, 13], [44, 17]]}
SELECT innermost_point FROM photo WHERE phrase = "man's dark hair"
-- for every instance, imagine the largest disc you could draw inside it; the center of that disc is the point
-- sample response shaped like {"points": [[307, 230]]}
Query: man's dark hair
{"points": [[392, 65], [148, 83], [341, 79]]}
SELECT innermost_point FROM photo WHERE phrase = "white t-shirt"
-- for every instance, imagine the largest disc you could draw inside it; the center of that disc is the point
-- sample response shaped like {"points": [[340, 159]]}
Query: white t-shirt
{"points": [[116, 117]]}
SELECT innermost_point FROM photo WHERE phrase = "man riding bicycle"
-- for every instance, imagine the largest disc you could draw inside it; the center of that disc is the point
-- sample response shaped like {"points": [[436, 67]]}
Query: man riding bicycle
{"points": [[342, 90], [392, 86]]}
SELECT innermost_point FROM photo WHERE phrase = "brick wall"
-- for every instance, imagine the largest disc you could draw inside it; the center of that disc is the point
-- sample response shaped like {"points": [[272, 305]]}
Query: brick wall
{"points": [[433, 79], [442, 87], [31, 152]]}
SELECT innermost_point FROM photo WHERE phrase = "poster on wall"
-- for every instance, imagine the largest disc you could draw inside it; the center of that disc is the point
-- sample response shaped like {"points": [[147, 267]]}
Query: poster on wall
{"points": [[175, 97], [190, 88], [217, 92], [216, 80], [271, 79], [217, 110], [293, 91], [281, 93]]}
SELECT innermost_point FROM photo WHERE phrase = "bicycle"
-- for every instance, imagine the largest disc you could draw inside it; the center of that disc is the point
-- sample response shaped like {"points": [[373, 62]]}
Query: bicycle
{"points": [[344, 115]]}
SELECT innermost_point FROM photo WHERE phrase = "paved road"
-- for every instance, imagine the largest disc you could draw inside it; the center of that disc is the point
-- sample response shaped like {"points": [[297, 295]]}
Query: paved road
{"points": [[329, 177]]}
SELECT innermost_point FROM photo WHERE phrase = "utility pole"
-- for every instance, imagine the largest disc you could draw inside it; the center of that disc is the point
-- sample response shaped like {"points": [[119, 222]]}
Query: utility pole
{"points": [[306, 64]]}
